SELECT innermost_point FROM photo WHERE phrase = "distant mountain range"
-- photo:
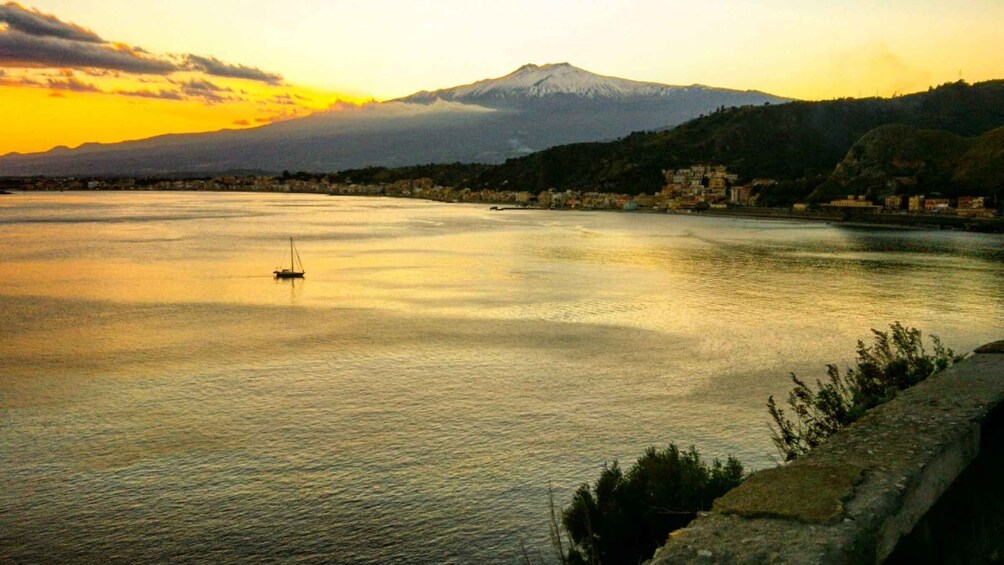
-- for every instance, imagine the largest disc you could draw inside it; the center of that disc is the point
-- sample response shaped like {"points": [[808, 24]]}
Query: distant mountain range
{"points": [[489, 121]]}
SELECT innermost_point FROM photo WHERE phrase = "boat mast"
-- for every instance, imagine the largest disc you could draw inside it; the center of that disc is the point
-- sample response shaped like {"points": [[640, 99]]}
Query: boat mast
{"points": [[291, 255]]}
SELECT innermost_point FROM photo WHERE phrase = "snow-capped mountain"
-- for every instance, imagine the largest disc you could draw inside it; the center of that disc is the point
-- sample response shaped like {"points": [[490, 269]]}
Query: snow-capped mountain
{"points": [[555, 79], [533, 81], [491, 120]]}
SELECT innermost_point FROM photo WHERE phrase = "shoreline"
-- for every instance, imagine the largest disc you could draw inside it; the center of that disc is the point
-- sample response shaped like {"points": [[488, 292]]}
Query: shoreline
{"points": [[913, 222], [907, 222]]}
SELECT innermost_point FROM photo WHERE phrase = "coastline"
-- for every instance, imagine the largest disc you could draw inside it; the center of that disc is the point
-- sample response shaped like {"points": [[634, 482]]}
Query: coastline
{"points": [[902, 221], [882, 220]]}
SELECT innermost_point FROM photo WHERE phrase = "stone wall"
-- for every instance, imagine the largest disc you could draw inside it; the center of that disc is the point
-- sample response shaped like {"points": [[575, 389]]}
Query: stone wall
{"points": [[902, 484]]}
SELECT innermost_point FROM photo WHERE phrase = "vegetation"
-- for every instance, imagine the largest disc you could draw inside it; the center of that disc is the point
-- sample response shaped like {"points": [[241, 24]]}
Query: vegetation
{"points": [[624, 517], [447, 174], [787, 192], [906, 160], [897, 360]]}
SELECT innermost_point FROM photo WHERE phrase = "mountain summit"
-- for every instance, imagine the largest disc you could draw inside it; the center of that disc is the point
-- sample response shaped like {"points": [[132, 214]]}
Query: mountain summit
{"points": [[488, 121], [555, 79]]}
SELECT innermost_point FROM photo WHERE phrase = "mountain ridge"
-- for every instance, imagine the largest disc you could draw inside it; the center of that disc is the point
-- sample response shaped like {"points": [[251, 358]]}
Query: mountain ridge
{"points": [[559, 104]]}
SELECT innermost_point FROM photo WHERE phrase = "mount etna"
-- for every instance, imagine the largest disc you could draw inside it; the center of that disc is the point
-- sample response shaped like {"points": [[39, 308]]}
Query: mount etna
{"points": [[489, 121]]}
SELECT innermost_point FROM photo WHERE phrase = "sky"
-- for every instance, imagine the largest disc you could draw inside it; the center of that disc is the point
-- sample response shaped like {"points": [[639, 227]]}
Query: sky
{"points": [[76, 71]]}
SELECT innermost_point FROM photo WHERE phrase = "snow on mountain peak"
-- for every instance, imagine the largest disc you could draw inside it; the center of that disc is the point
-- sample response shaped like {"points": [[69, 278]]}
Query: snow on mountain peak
{"points": [[533, 81]]}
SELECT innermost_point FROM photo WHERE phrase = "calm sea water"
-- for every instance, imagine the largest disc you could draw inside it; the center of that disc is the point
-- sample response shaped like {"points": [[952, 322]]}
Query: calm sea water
{"points": [[162, 398]]}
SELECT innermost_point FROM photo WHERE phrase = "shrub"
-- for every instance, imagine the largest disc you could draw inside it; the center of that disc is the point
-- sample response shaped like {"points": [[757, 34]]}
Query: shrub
{"points": [[626, 516], [897, 360]]}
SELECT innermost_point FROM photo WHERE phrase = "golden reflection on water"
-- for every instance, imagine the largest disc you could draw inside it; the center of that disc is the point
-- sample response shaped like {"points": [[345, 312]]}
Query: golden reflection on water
{"points": [[434, 355]]}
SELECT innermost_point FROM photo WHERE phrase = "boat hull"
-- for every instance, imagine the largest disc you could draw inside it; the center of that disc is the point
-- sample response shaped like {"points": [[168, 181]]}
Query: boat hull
{"points": [[287, 274]]}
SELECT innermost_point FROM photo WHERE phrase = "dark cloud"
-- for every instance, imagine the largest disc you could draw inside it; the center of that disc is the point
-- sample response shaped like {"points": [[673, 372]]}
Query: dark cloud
{"points": [[215, 67], [30, 39], [162, 94], [102, 73], [209, 97], [33, 22], [18, 49], [202, 85], [275, 118], [205, 90], [72, 83]]}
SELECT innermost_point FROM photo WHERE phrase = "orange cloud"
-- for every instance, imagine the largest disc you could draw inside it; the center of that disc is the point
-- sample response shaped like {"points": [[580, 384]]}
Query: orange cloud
{"points": [[123, 48]]}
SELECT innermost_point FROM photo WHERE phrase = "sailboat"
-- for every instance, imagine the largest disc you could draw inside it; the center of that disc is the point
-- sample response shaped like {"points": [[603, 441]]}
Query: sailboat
{"points": [[291, 272]]}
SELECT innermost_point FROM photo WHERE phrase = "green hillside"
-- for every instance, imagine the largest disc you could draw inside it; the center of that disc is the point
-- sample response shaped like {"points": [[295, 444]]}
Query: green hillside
{"points": [[900, 159], [982, 166], [785, 142]]}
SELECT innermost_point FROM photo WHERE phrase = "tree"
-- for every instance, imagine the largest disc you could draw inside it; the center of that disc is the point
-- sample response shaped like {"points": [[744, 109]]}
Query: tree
{"points": [[896, 361], [626, 516]]}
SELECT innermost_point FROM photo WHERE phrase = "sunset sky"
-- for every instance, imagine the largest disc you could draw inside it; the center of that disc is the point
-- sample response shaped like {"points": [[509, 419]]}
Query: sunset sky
{"points": [[73, 71]]}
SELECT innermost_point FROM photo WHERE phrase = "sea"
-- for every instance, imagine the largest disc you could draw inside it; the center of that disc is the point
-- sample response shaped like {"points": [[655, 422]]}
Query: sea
{"points": [[440, 369]]}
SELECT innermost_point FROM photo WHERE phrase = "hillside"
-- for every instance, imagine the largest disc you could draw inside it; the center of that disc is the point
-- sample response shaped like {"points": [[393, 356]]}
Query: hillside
{"points": [[900, 159], [788, 142]]}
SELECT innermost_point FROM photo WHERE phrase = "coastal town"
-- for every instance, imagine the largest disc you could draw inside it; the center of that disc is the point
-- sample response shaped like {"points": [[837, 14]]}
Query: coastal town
{"points": [[697, 188]]}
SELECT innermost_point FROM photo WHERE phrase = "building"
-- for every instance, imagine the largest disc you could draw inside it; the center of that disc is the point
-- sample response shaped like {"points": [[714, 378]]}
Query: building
{"points": [[937, 205], [894, 202], [699, 183], [741, 195], [645, 200], [970, 203], [973, 207], [858, 204], [916, 203]]}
